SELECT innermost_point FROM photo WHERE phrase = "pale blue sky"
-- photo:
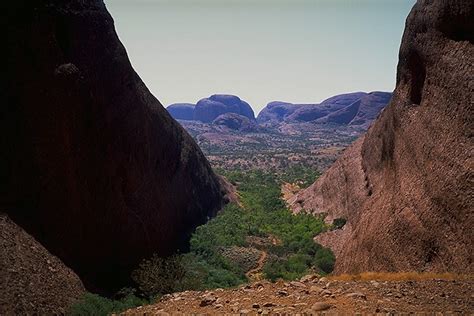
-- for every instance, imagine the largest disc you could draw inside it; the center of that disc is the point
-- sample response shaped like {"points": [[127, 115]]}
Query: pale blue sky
{"points": [[299, 51]]}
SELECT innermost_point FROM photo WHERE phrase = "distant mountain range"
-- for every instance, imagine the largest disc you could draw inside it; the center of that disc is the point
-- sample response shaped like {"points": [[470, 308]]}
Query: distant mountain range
{"points": [[355, 109], [288, 134], [208, 109]]}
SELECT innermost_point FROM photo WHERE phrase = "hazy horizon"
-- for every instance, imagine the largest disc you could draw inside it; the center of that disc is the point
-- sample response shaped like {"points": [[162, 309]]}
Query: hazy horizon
{"points": [[300, 51]]}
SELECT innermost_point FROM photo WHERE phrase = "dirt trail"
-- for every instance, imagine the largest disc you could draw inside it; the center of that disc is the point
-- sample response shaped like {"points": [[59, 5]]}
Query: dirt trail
{"points": [[255, 273]]}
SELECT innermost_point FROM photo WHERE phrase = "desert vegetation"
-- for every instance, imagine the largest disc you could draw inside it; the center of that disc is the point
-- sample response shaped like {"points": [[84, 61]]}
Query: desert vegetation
{"points": [[299, 146], [231, 244], [291, 252]]}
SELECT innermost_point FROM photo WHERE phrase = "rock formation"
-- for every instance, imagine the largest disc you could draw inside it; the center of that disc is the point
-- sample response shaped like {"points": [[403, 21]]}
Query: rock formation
{"points": [[34, 282], [235, 121], [361, 112], [370, 107], [182, 111], [358, 108], [92, 165], [406, 188], [311, 112], [276, 112], [208, 109]]}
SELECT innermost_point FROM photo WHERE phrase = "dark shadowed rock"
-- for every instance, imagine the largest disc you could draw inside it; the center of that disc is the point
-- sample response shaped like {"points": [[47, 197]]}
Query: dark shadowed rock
{"points": [[181, 111], [236, 122], [92, 165], [208, 109], [406, 187]]}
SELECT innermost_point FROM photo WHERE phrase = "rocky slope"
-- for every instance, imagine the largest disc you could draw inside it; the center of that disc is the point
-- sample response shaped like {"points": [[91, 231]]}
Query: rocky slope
{"points": [[313, 295], [406, 188], [92, 165], [34, 282]]}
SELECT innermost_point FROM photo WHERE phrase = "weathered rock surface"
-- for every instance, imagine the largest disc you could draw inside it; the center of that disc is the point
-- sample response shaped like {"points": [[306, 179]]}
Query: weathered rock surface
{"points": [[208, 109], [33, 281], [182, 111], [406, 188], [92, 165]]}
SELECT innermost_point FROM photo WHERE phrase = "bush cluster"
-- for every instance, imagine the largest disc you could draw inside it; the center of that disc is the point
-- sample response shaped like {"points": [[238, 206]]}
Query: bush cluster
{"points": [[96, 305], [204, 267]]}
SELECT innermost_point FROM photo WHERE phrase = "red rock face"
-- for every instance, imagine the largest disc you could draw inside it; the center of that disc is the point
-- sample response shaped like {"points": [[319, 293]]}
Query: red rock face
{"points": [[92, 165], [406, 188]]}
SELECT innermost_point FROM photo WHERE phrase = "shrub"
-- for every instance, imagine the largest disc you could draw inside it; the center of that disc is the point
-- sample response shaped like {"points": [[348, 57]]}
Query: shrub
{"points": [[266, 215], [325, 259], [96, 305], [274, 269], [338, 223], [158, 276], [213, 272]]}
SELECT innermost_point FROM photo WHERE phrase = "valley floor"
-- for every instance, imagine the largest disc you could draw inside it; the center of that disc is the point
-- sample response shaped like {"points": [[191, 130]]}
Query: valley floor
{"points": [[313, 295]]}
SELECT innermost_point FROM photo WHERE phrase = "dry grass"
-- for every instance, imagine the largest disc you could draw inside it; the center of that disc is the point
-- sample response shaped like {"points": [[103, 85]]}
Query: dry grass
{"points": [[400, 276]]}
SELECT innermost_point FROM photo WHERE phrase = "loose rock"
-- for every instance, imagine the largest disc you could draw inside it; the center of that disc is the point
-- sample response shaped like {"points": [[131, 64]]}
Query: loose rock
{"points": [[320, 306], [208, 300]]}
